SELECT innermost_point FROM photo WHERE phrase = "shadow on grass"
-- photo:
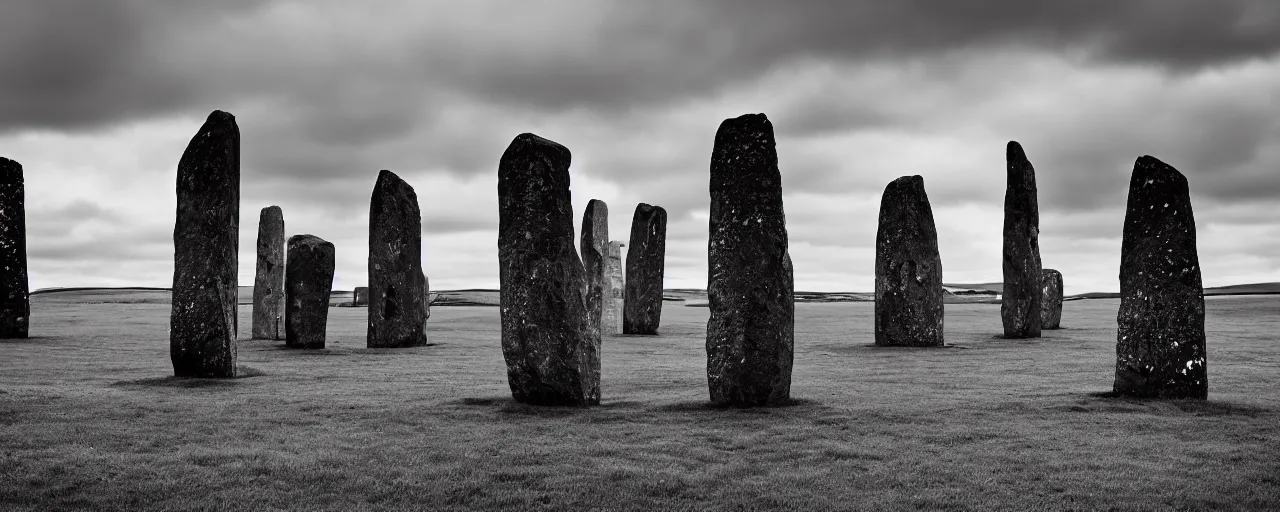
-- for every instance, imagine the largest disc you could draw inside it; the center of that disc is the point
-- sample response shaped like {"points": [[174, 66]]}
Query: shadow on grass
{"points": [[701, 406], [242, 372], [1111, 402], [903, 347], [28, 339]]}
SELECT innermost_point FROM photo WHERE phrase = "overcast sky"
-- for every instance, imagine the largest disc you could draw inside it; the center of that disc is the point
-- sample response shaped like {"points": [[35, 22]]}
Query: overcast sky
{"points": [[99, 99]]}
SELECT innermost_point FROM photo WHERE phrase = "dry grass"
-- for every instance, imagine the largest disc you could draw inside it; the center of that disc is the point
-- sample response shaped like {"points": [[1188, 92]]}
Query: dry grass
{"points": [[90, 419]]}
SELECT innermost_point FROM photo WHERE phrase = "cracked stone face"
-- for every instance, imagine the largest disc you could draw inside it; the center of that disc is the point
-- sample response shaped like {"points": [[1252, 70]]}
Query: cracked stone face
{"points": [[308, 284], [268, 283], [551, 355], [750, 334], [202, 323], [1020, 303], [398, 294], [908, 306], [1160, 346], [646, 260]]}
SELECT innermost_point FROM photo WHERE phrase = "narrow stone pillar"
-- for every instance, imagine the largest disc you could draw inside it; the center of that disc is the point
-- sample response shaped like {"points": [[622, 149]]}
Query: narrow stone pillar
{"points": [[308, 283], [908, 268], [1051, 301], [206, 239], [397, 286], [594, 245], [1020, 303], [268, 283], [646, 261], [15, 300]]}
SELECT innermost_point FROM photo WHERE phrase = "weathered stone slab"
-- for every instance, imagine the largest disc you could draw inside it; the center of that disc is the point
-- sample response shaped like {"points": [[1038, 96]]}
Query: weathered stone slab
{"points": [[268, 283], [202, 322], [15, 301], [646, 261], [308, 283], [397, 286], [594, 245], [750, 335], [909, 290], [360, 296], [1020, 304], [1051, 300], [614, 286], [551, 357], [1160, 348]]}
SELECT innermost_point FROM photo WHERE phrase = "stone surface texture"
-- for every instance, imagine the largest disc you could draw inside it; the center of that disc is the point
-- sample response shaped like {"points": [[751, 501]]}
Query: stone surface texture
{"points": [[360, 296], [268, 283], [202, 322], [750, 290], [15, 300], [1160, 346], [646, 260], [594, 245], [1051, 300], [615, 284], [908, 306], [551, 357], [397, 287], [1020, 303], [308, 283]]}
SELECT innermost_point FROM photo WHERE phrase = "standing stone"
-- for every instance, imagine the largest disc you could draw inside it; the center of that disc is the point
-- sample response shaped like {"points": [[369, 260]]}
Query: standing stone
{"points": [[360, 296], [1020, 306], [551, 357], [908, 268], [15, 302], [1051, 300], [595, 251], [615, 284], [202, 322], [268, 283], [308, 282], [642, 307], [397, 286], [1160, 348], [750, 335]]}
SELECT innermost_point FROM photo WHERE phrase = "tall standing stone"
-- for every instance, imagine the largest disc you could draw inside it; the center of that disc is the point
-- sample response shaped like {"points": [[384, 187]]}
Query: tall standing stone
{"points": [[1020, 306], [642, 306], [1051, 300], [268, 283], [202, 322], [750, 335], [594, 245], [613, 300], [551, 357], [308, 283], [1160, 348], [908, 303], [360, 296], [15, 308], [397, 286]]}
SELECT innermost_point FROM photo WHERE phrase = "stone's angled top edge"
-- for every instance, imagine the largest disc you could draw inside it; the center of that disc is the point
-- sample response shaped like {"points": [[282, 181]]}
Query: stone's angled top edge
{"points": [[273, 209], [914, 183], [597, 205], [6, 163], [1150, 167], [309, 240], [387, 179], [528, 141], [747, 122], [220, 116], [1013, 151]]}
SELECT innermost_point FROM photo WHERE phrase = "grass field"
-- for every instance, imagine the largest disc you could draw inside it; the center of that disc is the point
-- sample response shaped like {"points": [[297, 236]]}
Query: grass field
{"points": [[90, 419]]}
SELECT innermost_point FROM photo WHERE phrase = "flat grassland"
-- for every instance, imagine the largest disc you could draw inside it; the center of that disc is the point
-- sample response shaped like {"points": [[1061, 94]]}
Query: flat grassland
{"points": [[90, 419]]}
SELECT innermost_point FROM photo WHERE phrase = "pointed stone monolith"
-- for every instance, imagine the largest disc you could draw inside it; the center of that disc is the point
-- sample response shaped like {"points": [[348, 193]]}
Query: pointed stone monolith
{"points": [[1160, 347], [15, 301], [1051, 299], [614, 287], [1020, 304], [594, 245], [397, 286], [646, 260], [308, 283], [750, 335], [908, 268], [202, 321], [551, 357], [268, 283]]}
